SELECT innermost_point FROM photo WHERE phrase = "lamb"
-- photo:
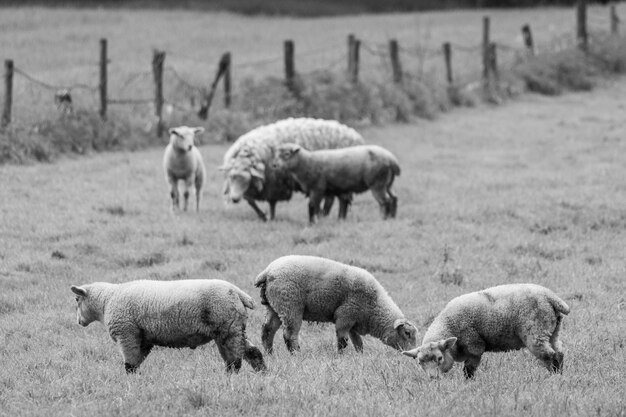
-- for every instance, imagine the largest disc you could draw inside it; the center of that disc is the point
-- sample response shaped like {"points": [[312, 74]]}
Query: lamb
{"points": [[497, 319], [296, 288], [183, 161], [184, 313], [247, 163], [342, 172]]}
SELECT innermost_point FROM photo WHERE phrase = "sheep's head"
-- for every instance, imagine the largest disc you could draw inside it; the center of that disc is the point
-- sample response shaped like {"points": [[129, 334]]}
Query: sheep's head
{"points": [[286, 156], [403, 336], [84, 311], [435, 358], [182, 137], [241, 173]]}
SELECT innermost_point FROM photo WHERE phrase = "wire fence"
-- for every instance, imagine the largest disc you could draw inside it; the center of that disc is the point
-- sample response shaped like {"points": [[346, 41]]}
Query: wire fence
{"points": [[174, 92]]}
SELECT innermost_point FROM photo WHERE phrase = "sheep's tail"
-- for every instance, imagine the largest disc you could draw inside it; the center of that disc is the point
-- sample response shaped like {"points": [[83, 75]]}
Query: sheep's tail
{"points": [[559, 305], [246, 300], [394, 164], [261, 282]]}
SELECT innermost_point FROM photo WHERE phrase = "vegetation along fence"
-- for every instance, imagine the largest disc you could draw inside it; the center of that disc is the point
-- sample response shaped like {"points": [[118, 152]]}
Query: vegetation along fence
{"points": [[161, 96]]}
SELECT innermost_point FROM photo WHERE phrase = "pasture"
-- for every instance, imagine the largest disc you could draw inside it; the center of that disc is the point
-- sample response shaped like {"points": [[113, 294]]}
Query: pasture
{"points": [[528, 192]]}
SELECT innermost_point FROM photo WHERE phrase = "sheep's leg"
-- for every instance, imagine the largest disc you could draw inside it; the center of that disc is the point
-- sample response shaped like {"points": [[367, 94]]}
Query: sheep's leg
{"points": [[198, 193], [254, 357], [270, 327], [470, 365], [343, 207], [314, 205], [356, 340], [232, 349], [394, 203], [133, 351], [256, 209], [291, 331], [328, 205], [272, 209], [188, 183], [174, 192], [380, 195]]}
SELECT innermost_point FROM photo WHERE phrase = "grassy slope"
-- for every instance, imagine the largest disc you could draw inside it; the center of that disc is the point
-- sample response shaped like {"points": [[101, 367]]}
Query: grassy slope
{"points": [[532, 191]]}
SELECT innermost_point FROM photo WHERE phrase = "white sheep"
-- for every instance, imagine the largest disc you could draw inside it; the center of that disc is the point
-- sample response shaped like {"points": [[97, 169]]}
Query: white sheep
{"points": [[296, 288], [184, 313], [341, 172], [497, 319], [247, 163], [182, 161]]}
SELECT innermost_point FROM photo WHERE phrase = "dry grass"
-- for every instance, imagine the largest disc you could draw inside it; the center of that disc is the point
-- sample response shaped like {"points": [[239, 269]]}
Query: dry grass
{"points": [[529, 192]]}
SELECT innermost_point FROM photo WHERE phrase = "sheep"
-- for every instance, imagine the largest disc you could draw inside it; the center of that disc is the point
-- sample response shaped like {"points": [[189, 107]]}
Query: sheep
{"points": [[497, 319], [185, 313], [247, 163], [342, 172], [295, 288], [183, 161]]}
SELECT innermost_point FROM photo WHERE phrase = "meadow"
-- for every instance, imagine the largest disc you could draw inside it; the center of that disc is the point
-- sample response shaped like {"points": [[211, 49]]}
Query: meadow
{"points": [[528, 192]]}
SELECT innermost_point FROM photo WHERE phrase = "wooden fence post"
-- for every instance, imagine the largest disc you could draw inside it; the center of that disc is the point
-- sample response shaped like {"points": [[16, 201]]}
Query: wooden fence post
{"points": [[353, 58], [158, 58], [227, 94], [528, 39], [103, 79], [223, 68], [614, 20], [290, 67], [581, 25], [8, 92], [493, 64], [395, 61], [486, 24], [351, 40], [447, 56]]}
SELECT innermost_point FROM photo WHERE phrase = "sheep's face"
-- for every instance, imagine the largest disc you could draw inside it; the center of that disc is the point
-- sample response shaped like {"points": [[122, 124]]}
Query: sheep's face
{"points": [[403, 336], [182, 137], [286, 156], [84, 313], [240, 175], [435, 358]]}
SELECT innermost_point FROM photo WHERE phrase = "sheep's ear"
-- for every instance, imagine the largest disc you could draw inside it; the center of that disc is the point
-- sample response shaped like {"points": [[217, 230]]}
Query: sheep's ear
{"points": [[257, 173], [224, 167], [197, 130], [399, 322], [447, 344], [78, 291], [295, 149], [173, 131], [411, 353]]}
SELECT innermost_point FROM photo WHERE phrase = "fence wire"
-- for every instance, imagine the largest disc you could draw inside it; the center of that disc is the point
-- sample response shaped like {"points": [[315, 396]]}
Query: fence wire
{"points": [[187, 79]]}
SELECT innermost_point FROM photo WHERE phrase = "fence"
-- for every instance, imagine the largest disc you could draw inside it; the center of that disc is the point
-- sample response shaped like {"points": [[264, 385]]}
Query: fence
{"points": [[145, 92]]}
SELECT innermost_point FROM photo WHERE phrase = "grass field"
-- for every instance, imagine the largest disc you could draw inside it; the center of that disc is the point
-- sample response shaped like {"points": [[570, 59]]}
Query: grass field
{"points": [[528, 192]]}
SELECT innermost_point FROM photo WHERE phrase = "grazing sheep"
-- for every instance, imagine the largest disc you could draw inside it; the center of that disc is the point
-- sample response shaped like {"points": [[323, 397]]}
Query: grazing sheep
{"points": [[498, 319], [185, 313], [247, 163], [183, 161], [342, 172], [296, 288]]}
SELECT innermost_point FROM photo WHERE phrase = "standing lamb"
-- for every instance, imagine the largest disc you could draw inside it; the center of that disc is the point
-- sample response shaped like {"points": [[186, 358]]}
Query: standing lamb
{"points": [[247, 163], [498, 319], [185, 313], [296, 288], [183, 161], [342, 172]]}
